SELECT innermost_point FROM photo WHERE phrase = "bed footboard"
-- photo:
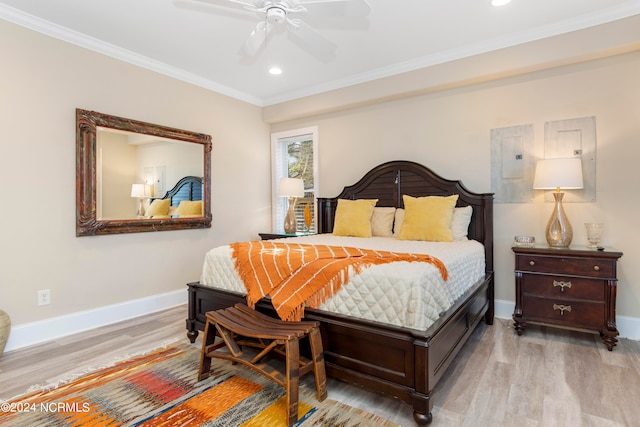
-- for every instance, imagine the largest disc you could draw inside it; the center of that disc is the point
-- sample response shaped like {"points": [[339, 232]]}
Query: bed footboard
{"points": [[399, 362]]}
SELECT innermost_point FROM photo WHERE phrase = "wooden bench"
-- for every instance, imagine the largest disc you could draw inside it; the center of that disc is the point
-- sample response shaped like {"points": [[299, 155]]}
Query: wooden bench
{"points": [[242, 326]]}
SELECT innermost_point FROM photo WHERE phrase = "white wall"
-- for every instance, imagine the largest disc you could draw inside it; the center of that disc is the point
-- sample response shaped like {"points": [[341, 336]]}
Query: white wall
{"points": [[42, 82], [449, 131]]}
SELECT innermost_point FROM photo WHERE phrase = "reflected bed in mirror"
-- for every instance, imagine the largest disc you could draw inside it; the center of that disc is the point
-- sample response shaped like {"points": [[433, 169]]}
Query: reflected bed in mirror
{"points": [[134, 176]]}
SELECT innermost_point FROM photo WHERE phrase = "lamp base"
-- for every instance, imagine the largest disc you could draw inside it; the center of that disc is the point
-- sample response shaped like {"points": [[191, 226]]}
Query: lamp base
{"points": [[559, 233], [140, 211], [290, 223]]}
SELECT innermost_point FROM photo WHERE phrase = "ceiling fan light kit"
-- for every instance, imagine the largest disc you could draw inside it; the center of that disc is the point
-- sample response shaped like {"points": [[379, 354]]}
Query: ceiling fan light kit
{"points": [[276, 15]]}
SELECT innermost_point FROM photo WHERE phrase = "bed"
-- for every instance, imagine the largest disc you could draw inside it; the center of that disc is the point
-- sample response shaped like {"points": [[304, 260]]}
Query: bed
{"points": [[183, 200], [400, 361]]}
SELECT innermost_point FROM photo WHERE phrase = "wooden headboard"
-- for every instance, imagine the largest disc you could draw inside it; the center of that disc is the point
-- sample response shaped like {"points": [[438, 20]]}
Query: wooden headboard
{"points": [[188, 188], [389, 181]]}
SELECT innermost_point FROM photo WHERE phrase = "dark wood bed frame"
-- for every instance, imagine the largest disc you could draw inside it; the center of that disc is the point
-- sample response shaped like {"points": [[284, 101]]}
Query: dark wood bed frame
{"points": [[188, 188], [401, 362]]}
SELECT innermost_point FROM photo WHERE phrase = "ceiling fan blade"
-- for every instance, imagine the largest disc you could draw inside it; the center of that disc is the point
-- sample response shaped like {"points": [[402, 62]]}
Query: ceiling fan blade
{"points": [[227, 3], [254, 6], [311, 38], [256, 38], [336, 7]]}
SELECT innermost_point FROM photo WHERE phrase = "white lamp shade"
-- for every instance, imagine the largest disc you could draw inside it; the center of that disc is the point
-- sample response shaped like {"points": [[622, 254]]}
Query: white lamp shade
{"points": [[563, 173], [139, 190], [291, 187]]}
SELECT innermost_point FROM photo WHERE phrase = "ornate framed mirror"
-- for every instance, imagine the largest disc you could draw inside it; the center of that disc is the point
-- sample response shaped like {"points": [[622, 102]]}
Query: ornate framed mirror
{"points": [[133, 176]]}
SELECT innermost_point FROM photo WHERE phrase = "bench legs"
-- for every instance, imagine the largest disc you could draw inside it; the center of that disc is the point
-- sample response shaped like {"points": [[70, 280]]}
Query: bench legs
{"points": [[292, 378], [282, 342], [315, 340]]}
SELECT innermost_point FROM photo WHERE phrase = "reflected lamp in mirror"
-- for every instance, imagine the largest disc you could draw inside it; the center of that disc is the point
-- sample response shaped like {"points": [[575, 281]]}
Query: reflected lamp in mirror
{"points": [[291, 188], [140, 191], [558, 174]]}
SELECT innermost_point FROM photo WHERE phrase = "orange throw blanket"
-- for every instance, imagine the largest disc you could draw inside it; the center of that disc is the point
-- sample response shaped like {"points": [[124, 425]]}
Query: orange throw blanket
{"points": [[297, 274]]}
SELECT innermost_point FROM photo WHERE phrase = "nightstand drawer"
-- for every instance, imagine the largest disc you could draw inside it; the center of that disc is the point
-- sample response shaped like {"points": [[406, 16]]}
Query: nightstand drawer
{"points": [[590, 267], [571, 313], [563, 287]]}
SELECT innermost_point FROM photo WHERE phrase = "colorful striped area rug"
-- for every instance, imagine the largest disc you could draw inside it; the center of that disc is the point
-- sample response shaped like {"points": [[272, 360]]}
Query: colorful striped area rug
{"points": [[161, 389]]}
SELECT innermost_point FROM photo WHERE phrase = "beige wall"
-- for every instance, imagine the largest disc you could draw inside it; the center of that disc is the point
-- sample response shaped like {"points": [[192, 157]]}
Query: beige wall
{"points": [[449, 131], [115, 172], [42, 82]]}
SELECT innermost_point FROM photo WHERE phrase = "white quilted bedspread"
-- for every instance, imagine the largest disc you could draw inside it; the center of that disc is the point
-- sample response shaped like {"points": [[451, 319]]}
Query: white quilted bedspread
{"points": [[404, 294]]}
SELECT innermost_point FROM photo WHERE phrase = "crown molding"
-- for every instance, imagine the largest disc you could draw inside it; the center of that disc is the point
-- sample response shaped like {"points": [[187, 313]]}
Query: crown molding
{"points": [[620, 11], [82, 40]]}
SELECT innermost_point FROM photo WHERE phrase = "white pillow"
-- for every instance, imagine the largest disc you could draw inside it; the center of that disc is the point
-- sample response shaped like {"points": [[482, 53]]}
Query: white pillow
{"points": [[382, 221], [459, 223], [397, 223]]}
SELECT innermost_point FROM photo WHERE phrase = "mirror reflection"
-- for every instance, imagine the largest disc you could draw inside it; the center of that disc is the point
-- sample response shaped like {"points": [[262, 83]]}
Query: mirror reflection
{"points": [[136, 171]]}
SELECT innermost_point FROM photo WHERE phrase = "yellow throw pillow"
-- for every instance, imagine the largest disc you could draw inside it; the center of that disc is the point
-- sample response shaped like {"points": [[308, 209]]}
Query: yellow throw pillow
{"points": [[159, 207], [353, 217], [190, 208], [428, 218]]}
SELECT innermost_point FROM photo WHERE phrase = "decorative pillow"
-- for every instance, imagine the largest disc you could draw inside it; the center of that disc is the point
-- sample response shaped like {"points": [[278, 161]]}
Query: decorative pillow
{"points": [[460, 222], [190, 208], [382, 221], [428, 218], [353, 217], [159, 207], [397, 222]]}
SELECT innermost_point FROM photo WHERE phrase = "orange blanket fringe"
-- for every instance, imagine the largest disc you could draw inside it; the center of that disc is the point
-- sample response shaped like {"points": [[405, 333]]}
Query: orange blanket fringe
{"points": [[294, 274]]}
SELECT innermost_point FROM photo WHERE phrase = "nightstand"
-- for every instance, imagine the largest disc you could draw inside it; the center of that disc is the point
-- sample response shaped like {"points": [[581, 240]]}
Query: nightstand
{"points": [[573, 288]]}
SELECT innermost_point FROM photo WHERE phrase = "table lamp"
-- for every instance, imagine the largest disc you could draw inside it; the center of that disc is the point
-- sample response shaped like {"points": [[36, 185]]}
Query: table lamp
{"points": [[291, 188], [139, 191], [557, 174]]}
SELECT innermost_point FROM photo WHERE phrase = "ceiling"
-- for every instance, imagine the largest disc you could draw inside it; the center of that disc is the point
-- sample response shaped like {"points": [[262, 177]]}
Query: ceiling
{"points": [[200, 42]]}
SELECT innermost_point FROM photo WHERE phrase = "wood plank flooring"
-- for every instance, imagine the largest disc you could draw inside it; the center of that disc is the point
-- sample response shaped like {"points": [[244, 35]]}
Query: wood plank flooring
{"points": [[546, 377]]}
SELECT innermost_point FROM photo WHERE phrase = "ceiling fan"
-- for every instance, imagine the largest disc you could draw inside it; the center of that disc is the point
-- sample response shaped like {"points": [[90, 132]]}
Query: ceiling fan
{"points": [[286, 12]]}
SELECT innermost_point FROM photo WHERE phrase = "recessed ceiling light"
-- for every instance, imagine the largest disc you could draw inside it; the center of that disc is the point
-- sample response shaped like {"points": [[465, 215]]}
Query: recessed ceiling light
{"points": [[499, 2], [275, 71]]}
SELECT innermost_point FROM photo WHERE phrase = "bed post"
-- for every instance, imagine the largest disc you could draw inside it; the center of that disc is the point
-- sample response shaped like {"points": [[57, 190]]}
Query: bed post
{"points": [[192, 328], [487, 199], [326, 214]]}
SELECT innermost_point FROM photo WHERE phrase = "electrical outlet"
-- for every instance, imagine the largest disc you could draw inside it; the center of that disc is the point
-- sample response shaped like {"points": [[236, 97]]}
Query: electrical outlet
{"points": [[44, 297]]}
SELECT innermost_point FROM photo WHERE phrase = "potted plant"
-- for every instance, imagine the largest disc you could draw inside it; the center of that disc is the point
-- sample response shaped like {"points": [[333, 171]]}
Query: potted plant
{"points": [[5, 328]]}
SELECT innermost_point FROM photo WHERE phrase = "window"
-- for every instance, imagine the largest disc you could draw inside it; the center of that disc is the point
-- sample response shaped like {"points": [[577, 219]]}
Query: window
{"points": [[294, 154]]}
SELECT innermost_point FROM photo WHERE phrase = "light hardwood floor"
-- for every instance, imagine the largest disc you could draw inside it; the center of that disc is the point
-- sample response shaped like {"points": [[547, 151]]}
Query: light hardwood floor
{"points": [[547, 377]]}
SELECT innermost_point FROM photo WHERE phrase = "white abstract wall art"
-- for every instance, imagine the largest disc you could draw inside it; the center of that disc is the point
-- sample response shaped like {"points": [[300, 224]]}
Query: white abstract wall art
{"points": [[513, 163], [574, 138]]}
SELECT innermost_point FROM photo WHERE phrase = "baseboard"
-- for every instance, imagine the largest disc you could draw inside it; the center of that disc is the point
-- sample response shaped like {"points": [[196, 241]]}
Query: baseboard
{"points": [[629, 327], [49, 329], [46, 330]]}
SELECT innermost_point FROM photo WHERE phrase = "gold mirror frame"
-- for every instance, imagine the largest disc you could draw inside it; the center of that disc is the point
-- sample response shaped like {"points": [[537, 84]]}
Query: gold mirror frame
{"points": [[87, 223]]}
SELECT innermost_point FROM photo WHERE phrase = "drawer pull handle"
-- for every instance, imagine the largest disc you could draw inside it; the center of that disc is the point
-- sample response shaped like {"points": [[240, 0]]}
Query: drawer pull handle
{"points": [[532, 263], [596, 267], [562, 285], [562, 308]]}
